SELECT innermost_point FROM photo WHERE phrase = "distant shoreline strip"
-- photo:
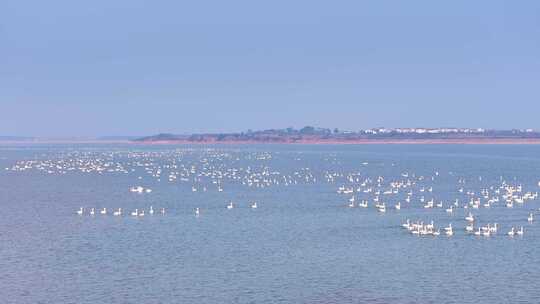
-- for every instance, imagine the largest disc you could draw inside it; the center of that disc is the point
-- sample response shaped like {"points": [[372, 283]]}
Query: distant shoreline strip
{"points": [[475, 141]]}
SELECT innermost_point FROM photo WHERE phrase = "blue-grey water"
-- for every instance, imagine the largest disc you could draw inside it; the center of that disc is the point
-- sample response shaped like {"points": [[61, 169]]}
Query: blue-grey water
{"points": [[301, 245]]}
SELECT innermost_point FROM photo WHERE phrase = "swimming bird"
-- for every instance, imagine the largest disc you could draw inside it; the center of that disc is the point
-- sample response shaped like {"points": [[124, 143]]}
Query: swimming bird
{"points": [[230, 205], [135, 213], [80, 211], [118, 212], [512, 232], [103, 211], [407, 224], [530, 218], [92, 211], [254, 205], [151, 211]]}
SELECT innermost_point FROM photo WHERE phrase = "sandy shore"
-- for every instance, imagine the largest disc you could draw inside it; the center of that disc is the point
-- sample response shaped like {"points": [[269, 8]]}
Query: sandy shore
{"points": [[476, 141]]}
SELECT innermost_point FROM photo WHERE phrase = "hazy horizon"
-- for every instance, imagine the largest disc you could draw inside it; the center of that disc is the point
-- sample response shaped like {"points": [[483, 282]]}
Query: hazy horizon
{"points": [[122, 136], [135, 68]]}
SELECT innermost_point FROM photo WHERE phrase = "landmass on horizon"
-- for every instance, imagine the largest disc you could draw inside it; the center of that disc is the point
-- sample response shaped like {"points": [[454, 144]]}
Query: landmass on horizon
{"points": [[312, 135], [315, 135]]}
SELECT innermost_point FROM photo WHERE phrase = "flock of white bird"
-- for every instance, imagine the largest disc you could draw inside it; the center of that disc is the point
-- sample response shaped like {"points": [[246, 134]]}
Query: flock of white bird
{"points": [[118, 211], [487, 198], [137, 212], [202, 170]]}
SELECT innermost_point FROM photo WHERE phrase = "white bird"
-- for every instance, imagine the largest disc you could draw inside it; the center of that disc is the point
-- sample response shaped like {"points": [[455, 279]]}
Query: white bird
{"points": [[80, 211], [520, 231], [407, 224], [230, 205], [197, 211], [398, 206], [135, 213], [103, 211], [512, 232], [470, 217], [254, 205], [151, 211], [118, 212], [92, 211], [162, 211], [530, 218]]}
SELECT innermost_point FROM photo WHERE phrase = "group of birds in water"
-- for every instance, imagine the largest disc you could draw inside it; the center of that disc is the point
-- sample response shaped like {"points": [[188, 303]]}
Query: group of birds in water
{"points": [[420, 228], [119, 211], [379, 185], [141, 212], [492, 196]]}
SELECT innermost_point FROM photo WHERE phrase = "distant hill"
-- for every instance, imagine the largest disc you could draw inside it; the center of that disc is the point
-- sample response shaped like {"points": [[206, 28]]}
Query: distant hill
{"points": [[311, 134]]}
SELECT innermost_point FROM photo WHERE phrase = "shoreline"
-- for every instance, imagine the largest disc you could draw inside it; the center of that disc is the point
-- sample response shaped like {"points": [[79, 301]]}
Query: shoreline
{"points": [[462, 141], [490, 141]]}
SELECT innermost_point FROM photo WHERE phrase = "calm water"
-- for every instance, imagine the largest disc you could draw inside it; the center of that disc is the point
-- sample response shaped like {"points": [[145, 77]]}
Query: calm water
{"points": [[302, 245]]}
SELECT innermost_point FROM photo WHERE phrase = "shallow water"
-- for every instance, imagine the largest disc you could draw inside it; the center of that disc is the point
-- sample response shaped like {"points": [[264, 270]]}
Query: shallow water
{"points": [[302, 245]]}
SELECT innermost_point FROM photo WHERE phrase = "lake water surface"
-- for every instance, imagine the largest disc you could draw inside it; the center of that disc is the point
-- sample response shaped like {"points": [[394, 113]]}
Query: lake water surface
{"points": [[301, 245]]}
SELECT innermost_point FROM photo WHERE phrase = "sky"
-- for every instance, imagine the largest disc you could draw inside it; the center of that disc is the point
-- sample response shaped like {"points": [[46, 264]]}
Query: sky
{"points": [[133, 67]]}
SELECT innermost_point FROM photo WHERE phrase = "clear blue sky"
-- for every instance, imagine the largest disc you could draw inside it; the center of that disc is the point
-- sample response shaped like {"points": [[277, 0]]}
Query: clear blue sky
{"points": [[131, 67]]}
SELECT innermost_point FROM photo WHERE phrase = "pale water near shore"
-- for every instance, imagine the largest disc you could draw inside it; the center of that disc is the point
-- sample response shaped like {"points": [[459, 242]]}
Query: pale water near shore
{"points": [[301, 245]]}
